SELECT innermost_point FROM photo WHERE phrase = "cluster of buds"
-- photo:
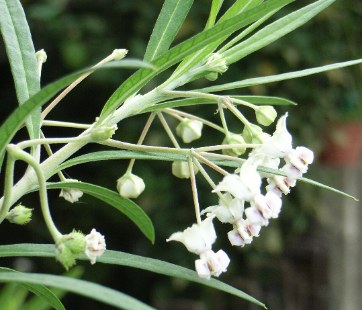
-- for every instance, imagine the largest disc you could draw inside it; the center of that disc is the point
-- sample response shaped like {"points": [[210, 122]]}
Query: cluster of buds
{"points": [[243, 203], [69, 246]]}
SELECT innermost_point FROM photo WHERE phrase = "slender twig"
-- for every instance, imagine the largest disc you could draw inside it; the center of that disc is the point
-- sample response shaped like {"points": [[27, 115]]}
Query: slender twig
{"points": [[194, 190], [168, 130]]}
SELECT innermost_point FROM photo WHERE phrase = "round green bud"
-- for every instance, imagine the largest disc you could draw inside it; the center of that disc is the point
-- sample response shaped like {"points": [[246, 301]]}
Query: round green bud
{"points": [[189, 130], [180, 169], [254, 134], [234, 139], [265, 115], [19, 215], [212, 76], [130, 185], [75, 242], [65, 256]]}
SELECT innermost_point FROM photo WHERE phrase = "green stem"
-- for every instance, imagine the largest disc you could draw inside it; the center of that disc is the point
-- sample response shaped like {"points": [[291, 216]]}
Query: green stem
{"points": [[209, 163], [29, 143], [194, 190], [168, 130], [65, 124], [9, 181], [21, 155], [141, 139]]}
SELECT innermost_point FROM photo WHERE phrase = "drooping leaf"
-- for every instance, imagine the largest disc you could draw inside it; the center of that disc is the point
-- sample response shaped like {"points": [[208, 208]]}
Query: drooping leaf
{"points": [[184, 49], [39, 290], [124, 205], [21, 54], [280, 77], [130, 260], [172, 15], [88, 289]]}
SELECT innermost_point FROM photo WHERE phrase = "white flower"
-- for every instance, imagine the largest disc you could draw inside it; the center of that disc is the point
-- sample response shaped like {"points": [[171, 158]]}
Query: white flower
{"points": [[243, 233], [189, 130], [198, 238], [211, 264], [279, 144], [279, 185], [269, 205], [255, 217], [229, 210], [71, 194], [95, 245], [130, 185], [243, 186], [300, 158]]}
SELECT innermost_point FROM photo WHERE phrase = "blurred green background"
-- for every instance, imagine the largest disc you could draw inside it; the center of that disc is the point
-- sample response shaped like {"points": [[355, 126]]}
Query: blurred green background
{"points": [[281, 263]]}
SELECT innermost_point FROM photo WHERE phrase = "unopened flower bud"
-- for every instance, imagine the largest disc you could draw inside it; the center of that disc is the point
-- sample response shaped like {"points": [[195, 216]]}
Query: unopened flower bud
{"points": [[254, 134], [216, 63], [19, 215], [130, 185], [95, 245], [102, 133], [265, 115], [41, 56], [75, 242], [71, 194], [212, 76], [234, 139], [119, 54], [189, 130], [65, 256], [180, 169]]}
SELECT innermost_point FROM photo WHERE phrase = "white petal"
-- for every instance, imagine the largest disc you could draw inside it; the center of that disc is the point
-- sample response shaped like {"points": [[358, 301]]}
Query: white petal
{"points": [[202, 269], [198, 238]]}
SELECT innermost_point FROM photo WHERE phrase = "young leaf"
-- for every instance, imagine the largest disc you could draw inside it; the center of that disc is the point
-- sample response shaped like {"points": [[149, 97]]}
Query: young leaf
{"points": [[280, 77], [172, 15], [238, 7], [130, 260], [275, 30], [126, 206], [41, 291], [222, 30], [81, 287], [215, 8], [20, 50]]}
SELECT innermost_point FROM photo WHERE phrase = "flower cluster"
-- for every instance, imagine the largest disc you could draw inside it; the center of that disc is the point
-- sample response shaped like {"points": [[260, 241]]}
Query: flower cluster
{"points": [[243, 203]]}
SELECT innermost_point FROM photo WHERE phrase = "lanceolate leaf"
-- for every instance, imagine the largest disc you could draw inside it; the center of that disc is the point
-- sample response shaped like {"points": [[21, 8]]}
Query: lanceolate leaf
{"points": [[21, 54], [275, 30], [126, 206], [215, 8], [17, 118], [130, 260], [280, 77], [172, 15], [81, 287], [41, 291], [184, 49]]}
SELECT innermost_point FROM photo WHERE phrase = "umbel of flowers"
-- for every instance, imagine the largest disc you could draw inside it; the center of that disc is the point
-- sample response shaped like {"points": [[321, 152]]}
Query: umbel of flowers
{"points": [[249, 198]]}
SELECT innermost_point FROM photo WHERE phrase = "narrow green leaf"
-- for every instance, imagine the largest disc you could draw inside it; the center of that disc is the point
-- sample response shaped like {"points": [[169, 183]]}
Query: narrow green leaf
{"points": [[20, 50], [91, 290], [215, 8], [172, 15], [184, 49], [39, 290], [130, 260], [9, 128], [275, 30], [238, 7], [37, 303], [126, 206], [306, 180], [197, 101], [280, 77]]}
